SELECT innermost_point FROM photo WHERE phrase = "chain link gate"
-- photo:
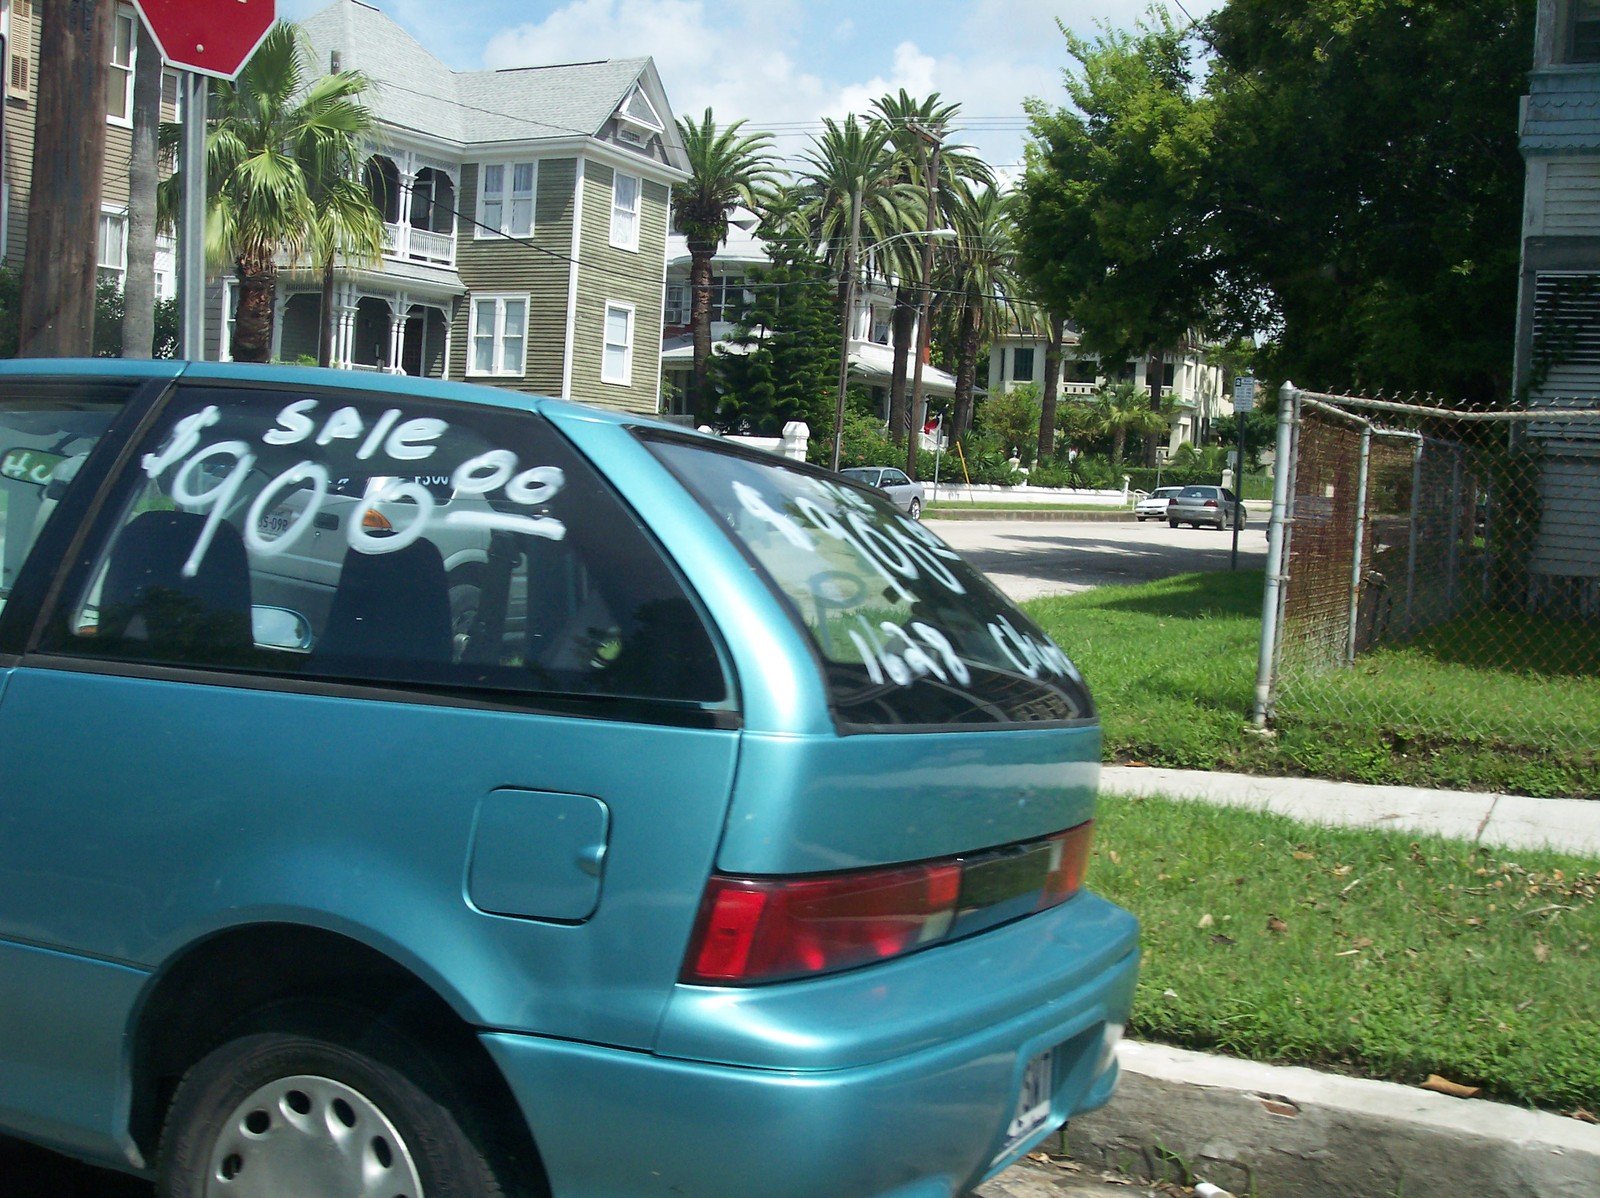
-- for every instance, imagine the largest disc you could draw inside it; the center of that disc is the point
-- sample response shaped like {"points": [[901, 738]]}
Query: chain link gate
{"points": [[1434, 576]]}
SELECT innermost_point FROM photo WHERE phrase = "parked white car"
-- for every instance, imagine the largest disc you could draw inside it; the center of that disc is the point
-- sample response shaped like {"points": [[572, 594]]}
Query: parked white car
{"points": [[1154, 505]]}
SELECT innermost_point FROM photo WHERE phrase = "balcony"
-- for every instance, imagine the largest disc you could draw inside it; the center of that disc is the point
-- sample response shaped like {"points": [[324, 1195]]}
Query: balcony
{"points": [[418, 245]]}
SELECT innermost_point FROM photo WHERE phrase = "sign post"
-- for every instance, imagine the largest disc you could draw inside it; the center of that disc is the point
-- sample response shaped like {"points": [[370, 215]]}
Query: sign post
{"points": [[205, 39], [1244, 399]]}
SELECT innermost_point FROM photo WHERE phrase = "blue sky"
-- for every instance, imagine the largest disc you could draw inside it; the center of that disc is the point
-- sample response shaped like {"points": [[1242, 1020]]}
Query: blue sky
{"points": [[784, 64]]}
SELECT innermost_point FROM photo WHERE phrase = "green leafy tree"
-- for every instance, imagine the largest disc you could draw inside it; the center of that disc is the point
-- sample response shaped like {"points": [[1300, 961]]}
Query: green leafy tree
{"points": [[790, 365], [979, 276], [1369, 185], [269, 130], [727, 169], [1115, 196], [1012, 418]]}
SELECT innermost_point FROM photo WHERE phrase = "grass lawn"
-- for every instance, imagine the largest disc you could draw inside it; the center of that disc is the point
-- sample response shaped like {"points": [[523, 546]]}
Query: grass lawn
{"points": [[1368, 952], [1172, 665]]}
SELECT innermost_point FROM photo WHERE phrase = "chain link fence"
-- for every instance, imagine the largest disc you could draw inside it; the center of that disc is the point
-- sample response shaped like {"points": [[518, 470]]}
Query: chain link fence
{"points": [[1434, 580]]}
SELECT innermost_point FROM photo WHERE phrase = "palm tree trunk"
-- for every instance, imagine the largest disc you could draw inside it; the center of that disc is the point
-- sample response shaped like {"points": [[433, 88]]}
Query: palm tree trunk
{"points": [[139, 284], [1119, 441], [325, 334], [1052, 388], [903, 320], [252, 323], [700, 254], [1152, 376], [966, 370]]}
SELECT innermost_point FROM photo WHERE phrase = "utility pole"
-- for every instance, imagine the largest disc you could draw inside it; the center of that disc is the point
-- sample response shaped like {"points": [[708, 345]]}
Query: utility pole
{"points": [[853, 249], [58, 274], [914, 414]]}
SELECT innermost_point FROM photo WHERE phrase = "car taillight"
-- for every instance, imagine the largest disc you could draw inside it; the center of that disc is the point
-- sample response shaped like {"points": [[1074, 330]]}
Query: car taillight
{"points": [[1211, 503], [768, 929], [1069, 861]]}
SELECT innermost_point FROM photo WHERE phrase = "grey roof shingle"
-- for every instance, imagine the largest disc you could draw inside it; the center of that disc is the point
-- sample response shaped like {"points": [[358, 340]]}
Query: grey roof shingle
{"points": [[411, 89]]}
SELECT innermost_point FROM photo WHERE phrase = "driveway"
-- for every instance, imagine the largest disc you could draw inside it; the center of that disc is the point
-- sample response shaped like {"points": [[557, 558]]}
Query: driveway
{"points": [[1030, 558]]}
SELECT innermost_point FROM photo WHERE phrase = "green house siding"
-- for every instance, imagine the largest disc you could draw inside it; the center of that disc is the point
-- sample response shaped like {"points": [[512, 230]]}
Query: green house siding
{"points": [[492, 264], [607, 275]]}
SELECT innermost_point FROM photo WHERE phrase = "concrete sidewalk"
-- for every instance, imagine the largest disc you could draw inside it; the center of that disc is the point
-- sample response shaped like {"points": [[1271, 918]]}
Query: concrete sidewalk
{"points": [[1506, 821], [1281, 1132]]}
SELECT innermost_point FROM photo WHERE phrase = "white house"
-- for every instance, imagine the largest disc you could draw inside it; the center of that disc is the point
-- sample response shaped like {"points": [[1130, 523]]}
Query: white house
{"points": [[871, 337], [1194, 385], [1558, 325]]}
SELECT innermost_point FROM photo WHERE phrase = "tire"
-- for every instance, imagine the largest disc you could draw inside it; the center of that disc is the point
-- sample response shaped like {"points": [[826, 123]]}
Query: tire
{"points": [[1172, 524], [302, 1112], [466, 586], [915, 510]]}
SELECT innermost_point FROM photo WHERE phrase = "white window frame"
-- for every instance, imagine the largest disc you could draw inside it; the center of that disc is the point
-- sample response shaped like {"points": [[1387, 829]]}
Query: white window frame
{"points": [[675, 304], [499, 367], [629, 236], [102, 262], [166, 255], [230, 307], [124, 14], [506, 196], [625, 377]]}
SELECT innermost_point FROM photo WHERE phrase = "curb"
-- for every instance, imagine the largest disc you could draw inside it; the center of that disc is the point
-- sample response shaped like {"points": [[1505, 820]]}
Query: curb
{"points": [[945, 513], [1278, 1131]]}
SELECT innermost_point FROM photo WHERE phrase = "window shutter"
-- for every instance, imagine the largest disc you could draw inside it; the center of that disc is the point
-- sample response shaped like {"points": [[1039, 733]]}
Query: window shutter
{"points": [[19, 78]]}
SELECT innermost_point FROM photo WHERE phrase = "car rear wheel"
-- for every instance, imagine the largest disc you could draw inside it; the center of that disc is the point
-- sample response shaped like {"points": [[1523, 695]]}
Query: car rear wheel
{"points": [[915, 510], [1172, 524], [304, 1112]]}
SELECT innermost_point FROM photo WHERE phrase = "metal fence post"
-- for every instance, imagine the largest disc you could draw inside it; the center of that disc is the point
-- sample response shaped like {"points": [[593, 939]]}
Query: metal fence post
{"points": [[1277, 555], [1411, 532], [1454, 561], [1361, 532]]}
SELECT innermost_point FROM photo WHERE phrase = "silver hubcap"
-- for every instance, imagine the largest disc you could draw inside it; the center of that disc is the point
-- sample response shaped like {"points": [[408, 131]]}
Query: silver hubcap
{"points": [[313, 1137]]}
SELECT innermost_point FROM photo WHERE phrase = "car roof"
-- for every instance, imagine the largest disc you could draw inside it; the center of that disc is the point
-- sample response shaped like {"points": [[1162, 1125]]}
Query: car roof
{"points": [[313, 376]]}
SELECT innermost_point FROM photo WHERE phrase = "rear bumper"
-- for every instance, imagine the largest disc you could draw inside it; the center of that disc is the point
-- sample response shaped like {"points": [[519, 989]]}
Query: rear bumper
{"points": [[926, 1123]]}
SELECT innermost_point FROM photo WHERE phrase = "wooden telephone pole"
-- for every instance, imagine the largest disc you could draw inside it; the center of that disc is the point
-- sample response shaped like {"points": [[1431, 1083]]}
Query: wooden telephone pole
{"points": [[58, 275]]}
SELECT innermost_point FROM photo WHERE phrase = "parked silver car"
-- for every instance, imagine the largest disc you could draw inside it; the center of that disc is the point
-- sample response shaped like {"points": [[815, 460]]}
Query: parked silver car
{"points": [[1197, 505], [1154, 505], [905, 494]]}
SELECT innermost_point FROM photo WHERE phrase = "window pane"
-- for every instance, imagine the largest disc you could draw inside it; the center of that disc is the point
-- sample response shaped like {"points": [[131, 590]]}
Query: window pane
{"points": [[617, 326], [522, 177], [521, 217], [908, 632], [614, 369], [328, 564], [494, 181], [47, 429]]}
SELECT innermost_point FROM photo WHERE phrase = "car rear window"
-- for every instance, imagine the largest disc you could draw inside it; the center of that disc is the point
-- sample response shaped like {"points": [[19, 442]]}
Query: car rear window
{"points": [[1198, 493], [908, 633], [373, 538]]}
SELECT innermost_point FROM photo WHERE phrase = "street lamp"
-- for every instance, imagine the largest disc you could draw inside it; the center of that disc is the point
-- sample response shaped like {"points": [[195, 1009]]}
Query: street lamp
{"points": [[854, 250]]}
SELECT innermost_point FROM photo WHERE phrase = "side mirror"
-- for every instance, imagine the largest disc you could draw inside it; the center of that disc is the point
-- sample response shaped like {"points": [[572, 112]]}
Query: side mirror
{"points": [[280, 628]]}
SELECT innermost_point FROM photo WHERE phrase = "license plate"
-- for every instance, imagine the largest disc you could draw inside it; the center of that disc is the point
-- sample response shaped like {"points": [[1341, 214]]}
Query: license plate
{"points": [[1033, 1103], [273, 524]]}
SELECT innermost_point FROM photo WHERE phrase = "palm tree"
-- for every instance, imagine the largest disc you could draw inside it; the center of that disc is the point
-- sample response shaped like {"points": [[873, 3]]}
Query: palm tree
{"points": [[1122, 409], [268, 129], [850, 169], [980, 277], [912, 123], [727, 169], [347, 224]]}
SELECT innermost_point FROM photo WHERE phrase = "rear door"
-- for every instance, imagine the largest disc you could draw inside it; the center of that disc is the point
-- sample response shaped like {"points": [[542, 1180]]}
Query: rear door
{"points": [[522, 809]]}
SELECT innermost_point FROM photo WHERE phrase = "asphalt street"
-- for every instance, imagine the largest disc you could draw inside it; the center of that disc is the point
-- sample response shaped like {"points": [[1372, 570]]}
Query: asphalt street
{"points": [[1029, 558]]}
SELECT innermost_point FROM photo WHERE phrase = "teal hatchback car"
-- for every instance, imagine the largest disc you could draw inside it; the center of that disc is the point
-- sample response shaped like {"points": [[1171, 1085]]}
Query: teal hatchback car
{"points": [[414, 790]]}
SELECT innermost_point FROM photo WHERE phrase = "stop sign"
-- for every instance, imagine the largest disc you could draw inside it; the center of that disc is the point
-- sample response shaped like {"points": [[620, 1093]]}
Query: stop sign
{"points": [[213, 37]]}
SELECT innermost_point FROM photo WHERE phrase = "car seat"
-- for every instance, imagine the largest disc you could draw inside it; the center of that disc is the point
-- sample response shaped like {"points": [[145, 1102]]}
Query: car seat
{"points": [[390, 617]]}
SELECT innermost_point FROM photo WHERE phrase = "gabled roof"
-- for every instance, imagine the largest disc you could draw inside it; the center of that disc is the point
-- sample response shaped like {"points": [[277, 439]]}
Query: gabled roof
{"points": [[413, 90]]}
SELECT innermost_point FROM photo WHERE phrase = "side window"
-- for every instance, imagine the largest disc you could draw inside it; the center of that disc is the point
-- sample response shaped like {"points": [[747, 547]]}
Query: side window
{"points": [[366, 538], [47, 429]]}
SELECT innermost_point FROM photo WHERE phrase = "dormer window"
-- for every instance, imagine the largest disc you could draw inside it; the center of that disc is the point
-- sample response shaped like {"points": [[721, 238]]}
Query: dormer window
{"points": [[637, 120], [1584, 45]]}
